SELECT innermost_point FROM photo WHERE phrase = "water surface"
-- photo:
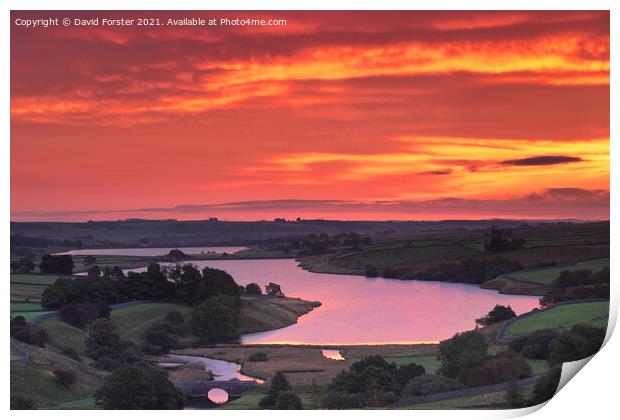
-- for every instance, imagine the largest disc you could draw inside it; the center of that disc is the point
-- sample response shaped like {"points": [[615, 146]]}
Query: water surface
{"points": [[221, 369], [360, 310]]}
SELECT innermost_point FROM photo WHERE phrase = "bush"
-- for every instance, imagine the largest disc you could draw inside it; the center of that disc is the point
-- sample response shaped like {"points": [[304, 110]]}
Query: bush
{"points": [[498, 314], [158, 339], [174, 318], [21, 403], [503, 367], [79, 314], [546, 386], [215, 319], [26, 333], [103, 340], [514, 395], [71, 353], [106, 363], [258, 357], [279, 383], [427, 384], [139, 388], [461, 353], [288, 400], [64, 377], [253, 289], [579, 342], [342, 401], [536, 345]]}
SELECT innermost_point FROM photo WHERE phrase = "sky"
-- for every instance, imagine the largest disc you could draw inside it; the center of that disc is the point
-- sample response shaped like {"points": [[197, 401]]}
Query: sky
{"points": [[336, 115]]}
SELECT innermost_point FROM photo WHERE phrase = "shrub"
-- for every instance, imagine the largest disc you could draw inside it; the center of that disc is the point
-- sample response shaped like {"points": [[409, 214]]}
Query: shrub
{"points": [[427, 384], [71, 353], [174, 318], [461, 353], [158, 339], [103, 340], [503, 367], [288, 400], [253, 289], [498, 314], [342, 401], [536, 345], [579, 342], [79, 314], [546, 386], [139, 388], [64, 377], [279, 383], [258, 357], [21, 403], [106, 363]]}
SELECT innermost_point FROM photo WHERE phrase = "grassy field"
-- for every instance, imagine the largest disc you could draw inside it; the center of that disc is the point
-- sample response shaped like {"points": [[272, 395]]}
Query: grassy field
{"points": [[266, 313], [564, 316], [489, 400], [430, 362], [36, 380], [25, 307], [546, 276], [249, 400], [28, 316], [42, 279]]}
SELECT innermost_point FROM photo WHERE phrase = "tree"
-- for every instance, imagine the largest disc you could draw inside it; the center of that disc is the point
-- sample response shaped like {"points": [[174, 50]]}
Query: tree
{"points": [[288, 400], [103, 340], [546, 386], [273, 289], [56, 264], [461, 353], [79, 314], [23, 266], [427, 384], [215, 319], [177, 254], [536, 345], [139, 387], [253, 289], [498, 314], [64, 377], [279, 383], [579, 342], [158, 339], [501, 240], [335, 400], [502, 367], [187, 279], [94, 271], [89, 260], [217, 282]]}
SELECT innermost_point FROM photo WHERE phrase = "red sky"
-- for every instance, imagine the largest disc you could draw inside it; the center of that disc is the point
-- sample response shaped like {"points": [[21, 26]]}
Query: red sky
{"points": [[361, 115]]}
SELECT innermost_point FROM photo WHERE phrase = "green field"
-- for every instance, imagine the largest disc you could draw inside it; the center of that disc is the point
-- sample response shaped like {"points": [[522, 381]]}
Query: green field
{"points": [[564, 316], [547, 275], [28, 316], [489, 400], [430, 363], [43, 279], [25, 307], [132, 321], [249, 400]]}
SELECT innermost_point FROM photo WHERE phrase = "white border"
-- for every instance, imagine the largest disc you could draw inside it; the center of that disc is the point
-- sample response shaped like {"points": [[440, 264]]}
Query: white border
{"points": [[593, 395]]}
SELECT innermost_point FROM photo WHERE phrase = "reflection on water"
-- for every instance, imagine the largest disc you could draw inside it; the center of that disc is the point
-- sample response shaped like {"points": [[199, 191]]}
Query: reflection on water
{"points": [[221, 369], [218, 396], [155, 252], [332, 354]]}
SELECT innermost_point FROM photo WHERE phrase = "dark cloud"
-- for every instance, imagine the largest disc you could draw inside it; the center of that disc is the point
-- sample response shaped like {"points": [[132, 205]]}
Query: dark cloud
{"points": [[438, 172], [542, 160]]}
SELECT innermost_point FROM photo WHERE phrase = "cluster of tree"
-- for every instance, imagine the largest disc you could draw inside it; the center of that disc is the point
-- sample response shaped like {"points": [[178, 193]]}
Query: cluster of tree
{"points": [[536, 345], [83, 313], [56, 264], [176, 255], [502, 240], [162, 336], [280, 396], [498, 314], [21, 403], [22, 331], [579, 284], [314, 244], [251, 289], [139, 387], [180, 283], [28, 246], [216, 318], [23, 266], [475, 271], [370, 382], [465, 357]]}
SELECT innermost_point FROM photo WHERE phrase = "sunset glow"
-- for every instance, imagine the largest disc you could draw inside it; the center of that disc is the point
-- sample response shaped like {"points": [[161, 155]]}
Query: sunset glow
{"points": [[337, 115]]}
